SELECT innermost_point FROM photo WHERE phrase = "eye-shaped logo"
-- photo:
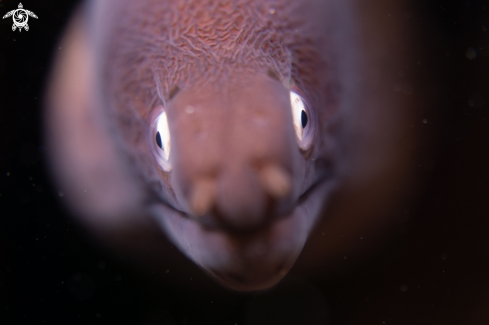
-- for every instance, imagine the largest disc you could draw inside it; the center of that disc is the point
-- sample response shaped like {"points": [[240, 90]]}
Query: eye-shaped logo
{"points": [[20, 17]]}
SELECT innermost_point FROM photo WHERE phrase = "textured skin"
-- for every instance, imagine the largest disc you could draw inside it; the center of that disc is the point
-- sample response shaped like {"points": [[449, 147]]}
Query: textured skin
{"points": [[234, 62], [161, 48]]}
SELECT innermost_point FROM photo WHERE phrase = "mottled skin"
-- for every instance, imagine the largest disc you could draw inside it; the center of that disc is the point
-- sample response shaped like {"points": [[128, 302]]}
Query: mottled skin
{"points": [[234, 63]]}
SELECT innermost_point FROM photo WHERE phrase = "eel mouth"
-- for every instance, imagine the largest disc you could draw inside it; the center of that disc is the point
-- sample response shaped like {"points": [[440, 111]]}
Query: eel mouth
{"points": [[209, 222], [250, 260]]}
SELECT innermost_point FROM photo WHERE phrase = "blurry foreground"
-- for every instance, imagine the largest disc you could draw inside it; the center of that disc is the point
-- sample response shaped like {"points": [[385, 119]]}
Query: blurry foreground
{"points": [[431, 270]]}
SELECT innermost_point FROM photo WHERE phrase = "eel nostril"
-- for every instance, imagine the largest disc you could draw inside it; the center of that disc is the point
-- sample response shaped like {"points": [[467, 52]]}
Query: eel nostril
{"points": [[202, 196], [275, 180]]}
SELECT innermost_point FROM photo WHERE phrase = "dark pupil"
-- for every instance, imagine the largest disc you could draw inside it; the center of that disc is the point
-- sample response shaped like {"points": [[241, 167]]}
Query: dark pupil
{"points": [[158, 140], [304, 119]]}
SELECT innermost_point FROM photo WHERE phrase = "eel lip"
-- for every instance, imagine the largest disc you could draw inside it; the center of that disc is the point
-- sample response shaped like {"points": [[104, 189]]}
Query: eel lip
{"points": [[247, 282], [210, 222]]}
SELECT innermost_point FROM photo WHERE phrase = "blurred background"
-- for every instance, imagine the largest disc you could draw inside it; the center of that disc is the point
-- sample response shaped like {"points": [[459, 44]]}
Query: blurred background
{"points": [[436, 273]]}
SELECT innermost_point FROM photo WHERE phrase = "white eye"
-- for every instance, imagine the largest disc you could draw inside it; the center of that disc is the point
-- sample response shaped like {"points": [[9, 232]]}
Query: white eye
{"points": [[303, 121], [159, 138], [162, 137]]}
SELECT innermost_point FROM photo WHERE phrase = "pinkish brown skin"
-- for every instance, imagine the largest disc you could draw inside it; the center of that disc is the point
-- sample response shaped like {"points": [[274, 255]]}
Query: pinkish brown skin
{"points": [[234, 62]]}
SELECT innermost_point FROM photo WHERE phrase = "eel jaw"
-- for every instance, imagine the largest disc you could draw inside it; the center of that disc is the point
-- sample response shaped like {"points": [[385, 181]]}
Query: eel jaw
{"points": [[246, 262]]}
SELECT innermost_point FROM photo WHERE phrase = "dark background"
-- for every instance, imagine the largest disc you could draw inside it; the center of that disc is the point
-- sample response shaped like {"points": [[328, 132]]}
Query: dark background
{"points": [[51, 273]]}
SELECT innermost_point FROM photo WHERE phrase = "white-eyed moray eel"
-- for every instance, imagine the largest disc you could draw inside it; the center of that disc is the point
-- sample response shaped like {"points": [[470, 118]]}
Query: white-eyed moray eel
{"points": [[229, 126]]}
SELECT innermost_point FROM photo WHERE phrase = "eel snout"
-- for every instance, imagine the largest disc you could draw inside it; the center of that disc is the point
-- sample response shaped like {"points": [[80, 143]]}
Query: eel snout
{"points": [[232, 197], [235, 157]]}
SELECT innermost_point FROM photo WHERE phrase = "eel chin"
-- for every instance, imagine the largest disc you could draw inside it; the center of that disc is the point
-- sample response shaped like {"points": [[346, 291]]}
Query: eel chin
{"points": [[248, 261]]}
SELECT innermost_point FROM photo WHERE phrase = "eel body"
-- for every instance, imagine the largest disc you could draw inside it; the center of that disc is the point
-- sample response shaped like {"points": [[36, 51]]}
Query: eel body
{"points": [[227, 126]]}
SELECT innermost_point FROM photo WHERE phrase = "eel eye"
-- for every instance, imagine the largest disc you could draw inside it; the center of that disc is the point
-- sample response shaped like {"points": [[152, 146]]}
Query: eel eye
{"points": [[159, 138], [302, 118]]}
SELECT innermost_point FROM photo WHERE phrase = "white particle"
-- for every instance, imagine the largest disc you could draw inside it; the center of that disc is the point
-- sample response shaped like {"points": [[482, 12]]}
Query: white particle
{"points": [[189, 109]]}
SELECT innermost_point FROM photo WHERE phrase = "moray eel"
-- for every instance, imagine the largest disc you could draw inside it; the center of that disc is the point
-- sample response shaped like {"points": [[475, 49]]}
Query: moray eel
{"points": [[228, 124]]}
